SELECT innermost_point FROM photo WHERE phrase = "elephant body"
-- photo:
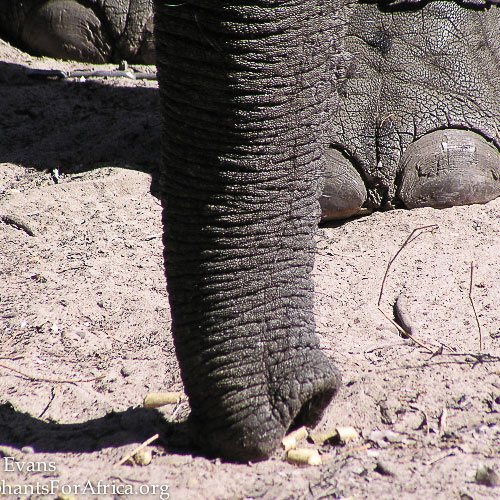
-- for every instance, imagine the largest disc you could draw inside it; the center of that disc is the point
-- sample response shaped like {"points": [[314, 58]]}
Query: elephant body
{"points": [[395, 104]]}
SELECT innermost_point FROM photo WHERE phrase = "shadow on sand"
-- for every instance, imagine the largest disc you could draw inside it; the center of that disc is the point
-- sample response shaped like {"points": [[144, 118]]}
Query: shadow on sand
{"points": [[77, 126]]}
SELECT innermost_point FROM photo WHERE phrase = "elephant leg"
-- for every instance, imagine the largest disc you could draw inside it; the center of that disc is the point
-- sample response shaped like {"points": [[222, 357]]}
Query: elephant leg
{"points": [[448, 168], [247, 97]]}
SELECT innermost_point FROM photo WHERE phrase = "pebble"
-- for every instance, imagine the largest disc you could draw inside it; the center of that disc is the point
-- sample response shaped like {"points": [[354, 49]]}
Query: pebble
{"points": [[383, 469], [144, 456], [487, 476]]}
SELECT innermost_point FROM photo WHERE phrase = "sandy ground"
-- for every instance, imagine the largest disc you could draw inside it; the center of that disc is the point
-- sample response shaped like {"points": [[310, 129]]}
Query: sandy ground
{"points": [[84, 322]]}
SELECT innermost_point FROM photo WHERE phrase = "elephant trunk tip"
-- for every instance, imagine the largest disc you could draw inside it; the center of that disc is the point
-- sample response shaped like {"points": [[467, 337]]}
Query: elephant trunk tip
{"points": [[258, 436], [312, 410]]}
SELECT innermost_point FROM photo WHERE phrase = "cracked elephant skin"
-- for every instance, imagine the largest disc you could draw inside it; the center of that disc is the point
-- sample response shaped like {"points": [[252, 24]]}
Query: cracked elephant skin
{"points": [[411, 71], [253, 95]]}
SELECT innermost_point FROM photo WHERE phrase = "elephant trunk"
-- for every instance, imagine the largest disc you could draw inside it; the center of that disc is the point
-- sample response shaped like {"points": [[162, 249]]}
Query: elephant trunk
{"points": [[247, 93]]}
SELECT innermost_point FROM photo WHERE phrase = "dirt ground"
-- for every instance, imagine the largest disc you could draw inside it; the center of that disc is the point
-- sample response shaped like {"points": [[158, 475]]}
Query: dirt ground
{"points": [[84, 322]]}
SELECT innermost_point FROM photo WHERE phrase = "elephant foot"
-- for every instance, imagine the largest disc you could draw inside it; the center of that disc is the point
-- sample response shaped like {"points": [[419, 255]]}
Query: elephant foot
{"points": [[89, 31], [259, 422], [344, 192], [67, 29], [449, 167]]}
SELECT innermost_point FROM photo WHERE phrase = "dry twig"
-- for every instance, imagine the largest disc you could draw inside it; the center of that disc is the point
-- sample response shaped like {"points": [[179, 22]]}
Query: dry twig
{"points": [[50, 380], [496, 129], [413, 236], [17, 222], [443, 420], [441, 457], [474, 307], [52, 397], [402, 330], [139, 448], [424, 229]]}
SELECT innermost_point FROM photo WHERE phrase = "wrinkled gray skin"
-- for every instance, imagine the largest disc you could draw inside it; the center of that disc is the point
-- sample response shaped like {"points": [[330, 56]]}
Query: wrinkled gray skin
{"points": [[258, 98], [407, 74], [83, 30], [398, 104]]}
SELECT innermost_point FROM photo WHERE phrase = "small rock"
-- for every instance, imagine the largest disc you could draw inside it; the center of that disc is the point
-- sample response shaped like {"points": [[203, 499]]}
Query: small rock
{"points": [[28, 449], [386, 436], [144, 456], [402, 315], [383, 469], [487, 476], [386, 413], [63, 496], [125, 372], [55, 175], [360, 471]]}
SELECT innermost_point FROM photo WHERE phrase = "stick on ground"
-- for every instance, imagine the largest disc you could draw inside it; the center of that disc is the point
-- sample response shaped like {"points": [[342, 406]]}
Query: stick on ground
{"points": [[474, 307], [50, 380], [402, 330], [139, 448], [17, 222], [424, 229]]}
